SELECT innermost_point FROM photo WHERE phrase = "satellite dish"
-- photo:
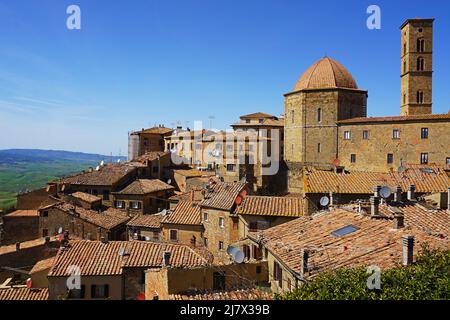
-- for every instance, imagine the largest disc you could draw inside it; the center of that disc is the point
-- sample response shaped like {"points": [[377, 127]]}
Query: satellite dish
{"points": [[102, 163], [236, 254], [385, 192], [60, 230], [118, 160], [121, 252], [97, 168], [169, 181], [324, 201], [164, 212]]}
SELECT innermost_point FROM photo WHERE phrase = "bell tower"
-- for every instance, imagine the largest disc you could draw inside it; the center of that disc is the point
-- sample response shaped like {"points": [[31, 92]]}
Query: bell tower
{"points": [[416, 66]]}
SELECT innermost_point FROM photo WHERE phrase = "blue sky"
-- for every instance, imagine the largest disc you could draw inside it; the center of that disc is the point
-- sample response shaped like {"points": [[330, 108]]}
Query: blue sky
{"points": [[136, 63]]}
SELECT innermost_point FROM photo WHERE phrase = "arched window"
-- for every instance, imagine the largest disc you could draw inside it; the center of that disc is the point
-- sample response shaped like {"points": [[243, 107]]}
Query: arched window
{"points": [[419, 96], [319, 115], [404, 48], [420, 45], [404, 66], [420, 64]]}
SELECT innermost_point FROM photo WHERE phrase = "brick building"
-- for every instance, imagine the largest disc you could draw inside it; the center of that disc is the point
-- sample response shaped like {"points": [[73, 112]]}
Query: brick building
{"points": [[147, 140], [145, 227]]}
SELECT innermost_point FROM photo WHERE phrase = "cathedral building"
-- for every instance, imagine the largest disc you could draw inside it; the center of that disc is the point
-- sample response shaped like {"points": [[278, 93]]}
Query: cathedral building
{"points": [[326, 123]]}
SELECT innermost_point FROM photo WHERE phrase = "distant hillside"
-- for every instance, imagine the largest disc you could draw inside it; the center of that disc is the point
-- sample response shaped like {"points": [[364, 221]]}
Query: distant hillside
{"points": [[28, 169], [36, 155]]}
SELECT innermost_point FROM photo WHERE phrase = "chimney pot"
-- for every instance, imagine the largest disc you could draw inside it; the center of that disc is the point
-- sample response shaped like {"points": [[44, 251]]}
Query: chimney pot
{"points": [[305, 257], [332, 199], [374, 206], [398, 194], [399, 221], [411, 192], [166, 258], [408, 249], [376, 191], [17, 246]]}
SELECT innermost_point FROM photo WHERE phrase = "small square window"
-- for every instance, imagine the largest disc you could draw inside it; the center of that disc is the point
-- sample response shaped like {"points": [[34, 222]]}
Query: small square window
{"points": [[424, 158], [344, 231], [447, 161], [205, 242], [390, 158], [353, 158], [45, 214], [205, 216], [230, 167], [173, 235], [319, 148], [396, 134], [424, 133], [221, 245], [347, 135], [222, 222]]}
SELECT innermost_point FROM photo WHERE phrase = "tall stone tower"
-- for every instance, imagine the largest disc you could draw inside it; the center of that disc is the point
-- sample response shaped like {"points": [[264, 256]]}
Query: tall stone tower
{"points": [[324, 94], [416, 66]]}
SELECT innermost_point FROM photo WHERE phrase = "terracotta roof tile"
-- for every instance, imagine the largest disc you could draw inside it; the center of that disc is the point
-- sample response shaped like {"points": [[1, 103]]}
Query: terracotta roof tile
{"points": [[271, 206], [90, 198], [97, 258], [143, 160], [107, 219], [105, 176], [326, 73], [146, 221], [43, 265], [432, 179], [145, 186], [23, 213], [374, 242], [257, 115], [223, 195], [185, 212], [23, 293], [156, 130], [444, 116]]}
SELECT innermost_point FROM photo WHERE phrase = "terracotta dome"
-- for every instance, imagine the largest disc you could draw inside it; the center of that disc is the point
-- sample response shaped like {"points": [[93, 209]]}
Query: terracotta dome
{"points": [[326, 73]]}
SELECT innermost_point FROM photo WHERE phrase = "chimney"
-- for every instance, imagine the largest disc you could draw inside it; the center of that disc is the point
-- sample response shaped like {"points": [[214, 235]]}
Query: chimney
{"points": [[376, 191], [17, 246], [448, 199], [103, 240], [305, 257], [398, 194], [408, 249], [166, 258], [374, 206], [411, 192], [331, 198], [399, 221]]}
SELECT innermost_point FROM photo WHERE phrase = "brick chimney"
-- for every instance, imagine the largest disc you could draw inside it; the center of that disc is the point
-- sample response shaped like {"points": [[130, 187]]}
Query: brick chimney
{"points": [[374, 206], [399, 221], [166, 258], [305, 257], [398, 194], [411, 192], [332, 199], [408, 249]]}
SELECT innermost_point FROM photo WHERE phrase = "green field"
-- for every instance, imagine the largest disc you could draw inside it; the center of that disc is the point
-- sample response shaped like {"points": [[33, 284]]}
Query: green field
{"points": [[25, 176]]}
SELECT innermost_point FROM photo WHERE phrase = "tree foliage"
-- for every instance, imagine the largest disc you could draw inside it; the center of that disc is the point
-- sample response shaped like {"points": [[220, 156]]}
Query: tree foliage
{"points": [[427, 279]]}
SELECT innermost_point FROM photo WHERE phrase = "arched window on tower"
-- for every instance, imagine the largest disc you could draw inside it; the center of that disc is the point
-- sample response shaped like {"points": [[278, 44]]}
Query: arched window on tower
{"points": [[404, 47], [420, 64], [420, 45], [404, 66], [319, 115], [292, 116]]}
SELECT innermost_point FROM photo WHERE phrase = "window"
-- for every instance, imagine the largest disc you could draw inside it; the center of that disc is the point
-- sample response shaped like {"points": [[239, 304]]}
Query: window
{"points": [[220, 245], [424, 158], [45, 214], [390, 158], [105, 195], [353, 158], [404, 66], [250, 147], [419, 97], [404, 48], [120, 204], [319, 115], [289, 284], [230, 167], [278, 274], [145, 142], [135, 205], [258, 269], [44, 233], [319, 148], [99, 292], [396, 134], [222, 222], [420, 45], [205, 216], [292, 116], [77, 293], [261, 120], [365, 135], [447, 161], [344, 231], [155, 235], [347, 135], [229, 147], [247, 121], [424, 133], [173, 235], [205, 242], [404, 98], [420, 64]]}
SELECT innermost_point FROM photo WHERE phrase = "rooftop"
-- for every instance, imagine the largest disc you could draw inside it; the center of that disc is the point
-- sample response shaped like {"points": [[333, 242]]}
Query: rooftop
{"points": [[145, 186], [23, 213], [86, 197], [106, 176], [233, 294], [156, 130], [325, 73], [96, 258], [23, 293], [185, 212], [412, 118], [108, 219], [271, 206], [143, 160], [222, 195], [369, 241], [258, 115], [43, 265], [146, 221]]}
